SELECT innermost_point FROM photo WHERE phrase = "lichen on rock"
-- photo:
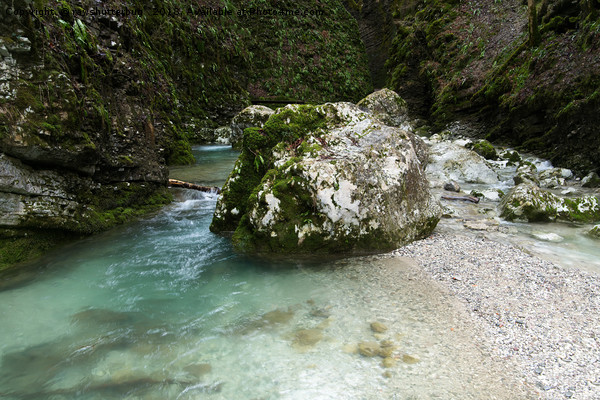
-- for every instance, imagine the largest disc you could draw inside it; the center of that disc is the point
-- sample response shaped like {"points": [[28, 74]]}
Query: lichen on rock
{"points": [[328, 178]]}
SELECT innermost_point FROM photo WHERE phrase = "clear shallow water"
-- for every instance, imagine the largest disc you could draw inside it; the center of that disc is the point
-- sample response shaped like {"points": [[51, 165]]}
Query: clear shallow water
{"points": [[163, 309]]}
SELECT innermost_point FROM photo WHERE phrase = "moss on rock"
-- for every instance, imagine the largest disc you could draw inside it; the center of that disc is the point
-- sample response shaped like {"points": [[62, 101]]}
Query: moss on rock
{"points": [[528, 202], [310, 191]]}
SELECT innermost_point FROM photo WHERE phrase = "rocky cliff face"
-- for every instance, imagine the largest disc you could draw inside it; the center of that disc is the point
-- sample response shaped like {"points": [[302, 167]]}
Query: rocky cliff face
{"points": [[454, 60], [377, 31], [96, 98]]}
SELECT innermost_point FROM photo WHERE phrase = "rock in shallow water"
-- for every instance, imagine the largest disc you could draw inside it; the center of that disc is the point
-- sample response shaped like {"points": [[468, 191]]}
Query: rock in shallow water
{"points": [[528, 202], [329, 178], [369, 349], [378, 327], [591, 180]]}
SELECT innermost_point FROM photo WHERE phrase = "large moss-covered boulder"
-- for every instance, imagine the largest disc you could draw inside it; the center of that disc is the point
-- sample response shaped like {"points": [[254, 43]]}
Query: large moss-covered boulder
{"points": [[329, 178], [528, 202]]}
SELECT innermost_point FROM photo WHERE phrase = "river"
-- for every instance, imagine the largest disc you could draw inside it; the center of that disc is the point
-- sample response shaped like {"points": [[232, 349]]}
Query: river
{"points": [[163, 309]]}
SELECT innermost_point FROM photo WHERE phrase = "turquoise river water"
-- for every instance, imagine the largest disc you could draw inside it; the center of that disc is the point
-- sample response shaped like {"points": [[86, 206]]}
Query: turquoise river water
{"points": [[164, 309]]}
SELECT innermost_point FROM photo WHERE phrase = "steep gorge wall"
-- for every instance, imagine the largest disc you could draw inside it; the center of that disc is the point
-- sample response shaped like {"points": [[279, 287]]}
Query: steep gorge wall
{"points": [[377, 31], [94, 106], [469, 60]]}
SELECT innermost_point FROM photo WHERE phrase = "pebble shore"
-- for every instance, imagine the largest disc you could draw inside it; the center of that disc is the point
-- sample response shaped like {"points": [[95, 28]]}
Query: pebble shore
{"points": [[543, 318]]}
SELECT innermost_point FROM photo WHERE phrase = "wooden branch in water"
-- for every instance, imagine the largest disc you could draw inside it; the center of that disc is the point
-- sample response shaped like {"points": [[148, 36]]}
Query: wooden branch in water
{"points": [[187, 185], [472, 199]]}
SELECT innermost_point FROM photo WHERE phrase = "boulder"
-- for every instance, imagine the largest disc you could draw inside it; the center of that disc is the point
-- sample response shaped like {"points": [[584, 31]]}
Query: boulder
{"points": [[554, 177], [591, 180], [328, 178], [449, 161], [595, 232], [526, 172], [387, 106], [528, 202], [513, 157], [485, 150], [252, 116]]}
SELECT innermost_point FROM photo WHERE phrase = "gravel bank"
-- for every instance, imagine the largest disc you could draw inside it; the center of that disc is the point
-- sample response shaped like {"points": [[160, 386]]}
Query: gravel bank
{"points": [[543, 318]]}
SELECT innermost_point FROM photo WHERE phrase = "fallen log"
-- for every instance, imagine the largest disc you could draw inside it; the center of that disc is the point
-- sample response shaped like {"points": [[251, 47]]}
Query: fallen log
{"points": [[187, 185], [472, 199]]}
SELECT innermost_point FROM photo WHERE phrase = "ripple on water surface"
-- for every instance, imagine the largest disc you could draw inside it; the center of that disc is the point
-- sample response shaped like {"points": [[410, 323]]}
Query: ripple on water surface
{"points": [[162, 309]]}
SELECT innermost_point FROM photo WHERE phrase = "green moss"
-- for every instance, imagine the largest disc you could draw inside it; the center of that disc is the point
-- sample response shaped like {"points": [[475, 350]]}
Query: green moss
{"points": [[180, 153], [114, 204], [485, 149], [19, 246], [291, 124]]}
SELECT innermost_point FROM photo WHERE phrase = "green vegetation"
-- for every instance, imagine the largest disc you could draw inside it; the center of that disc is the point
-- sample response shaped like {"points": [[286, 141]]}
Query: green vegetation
{"points": [[456, 61], [17, 246]]}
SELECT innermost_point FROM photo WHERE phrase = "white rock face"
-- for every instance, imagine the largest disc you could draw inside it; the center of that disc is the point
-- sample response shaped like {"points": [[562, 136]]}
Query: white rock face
{"points": [[354, 184], [255, 115], [40, 196], [449, 161]]}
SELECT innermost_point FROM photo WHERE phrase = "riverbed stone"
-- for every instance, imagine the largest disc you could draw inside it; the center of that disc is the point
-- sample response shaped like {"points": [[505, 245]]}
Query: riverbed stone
{"points": [[304, 338], [378, 327], [328, 178], [452, 186], [369, 349], [251, 116], [531, 203], [595, 232]]}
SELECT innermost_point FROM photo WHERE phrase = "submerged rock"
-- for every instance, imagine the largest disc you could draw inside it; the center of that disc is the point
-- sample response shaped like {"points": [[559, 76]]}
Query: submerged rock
{"points": [[252, 116], [378, 327], [548, 237], [528, 202], [388, 362], [278, 316], [304, 338], [198, 369], [408, 359], [329, 178], [369, 349]]}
